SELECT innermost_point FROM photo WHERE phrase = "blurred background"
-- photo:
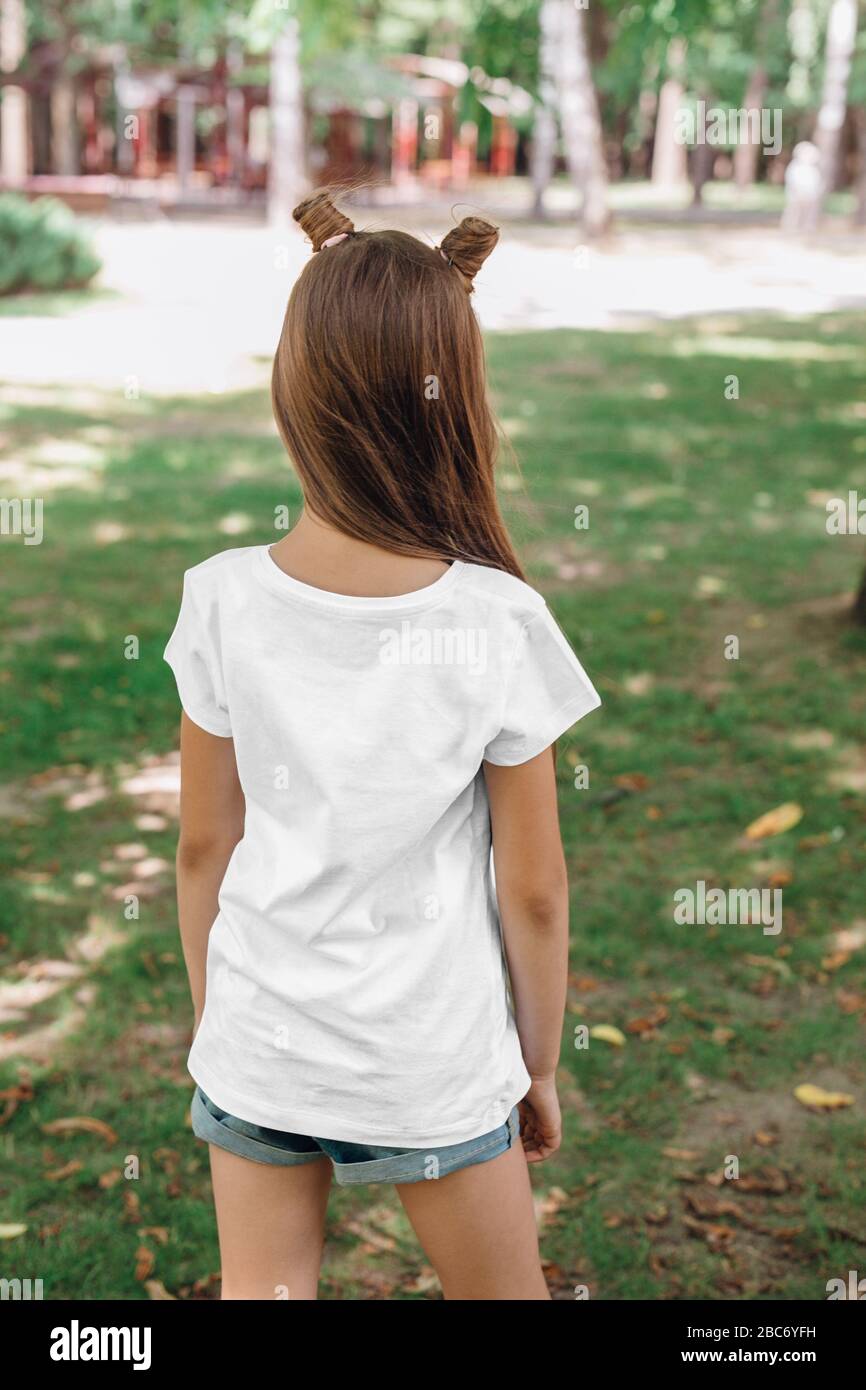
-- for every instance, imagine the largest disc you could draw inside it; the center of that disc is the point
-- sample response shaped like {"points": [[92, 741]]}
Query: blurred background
{"points": [[675, 331]]}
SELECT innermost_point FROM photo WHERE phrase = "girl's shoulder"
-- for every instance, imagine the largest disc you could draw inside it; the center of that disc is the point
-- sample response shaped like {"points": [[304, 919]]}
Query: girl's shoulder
{"points": [[500, 587], [208, 577]]}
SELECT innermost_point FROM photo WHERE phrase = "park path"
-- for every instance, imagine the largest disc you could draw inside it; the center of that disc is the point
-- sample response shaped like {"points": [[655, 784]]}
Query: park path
{"points": [[196, 306]]}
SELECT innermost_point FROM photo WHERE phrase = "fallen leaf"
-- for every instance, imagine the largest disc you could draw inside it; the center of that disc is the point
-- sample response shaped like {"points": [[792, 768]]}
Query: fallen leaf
{"points": [[131, 1205], [765, 1138], [144, 1263], [820, 1099], [632, 781], [770, 1181], [605, 1032], [684, 1155], [836, 960], [775, 822], [58, 1174], [81, 1124], [156, 1289], [158, 1233], [653, 1020], [716, 1236], [374, 1240], [781, 967], [10, 1230], [705, 1206], [850, 1002]]}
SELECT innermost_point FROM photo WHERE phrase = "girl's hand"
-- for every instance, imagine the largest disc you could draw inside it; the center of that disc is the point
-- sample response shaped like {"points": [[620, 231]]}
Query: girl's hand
{"points": [[540, 1120]]}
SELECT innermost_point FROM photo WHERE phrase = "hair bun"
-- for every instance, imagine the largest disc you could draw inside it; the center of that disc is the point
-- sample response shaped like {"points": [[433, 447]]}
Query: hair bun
{"points": [[468, 245], [318, 217]]}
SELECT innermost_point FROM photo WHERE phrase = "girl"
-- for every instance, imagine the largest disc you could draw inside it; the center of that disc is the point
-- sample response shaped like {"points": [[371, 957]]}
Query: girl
{"points": [[369, 707]]}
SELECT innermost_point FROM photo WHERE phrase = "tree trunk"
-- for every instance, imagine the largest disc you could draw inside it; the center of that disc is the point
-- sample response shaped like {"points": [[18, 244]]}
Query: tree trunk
{"points": [[746, 152], [670, 165], [580, 120], [14, 142], [184, 134], [841, 38], [858, 612], [235, 117], [860, 126], [286, 166], [64, 126], [544, 131], [703, 161]]}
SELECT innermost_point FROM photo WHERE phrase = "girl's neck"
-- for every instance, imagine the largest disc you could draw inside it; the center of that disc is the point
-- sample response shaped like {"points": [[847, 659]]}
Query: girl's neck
{"points": [[318, 554]]}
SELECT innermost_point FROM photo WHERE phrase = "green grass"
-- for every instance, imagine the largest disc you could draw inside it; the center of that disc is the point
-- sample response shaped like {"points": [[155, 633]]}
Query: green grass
{"points": [[706, 520]]}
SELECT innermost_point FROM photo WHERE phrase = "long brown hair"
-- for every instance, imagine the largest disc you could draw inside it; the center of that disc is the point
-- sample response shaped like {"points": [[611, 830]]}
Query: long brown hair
{"points": [[379, 389]]}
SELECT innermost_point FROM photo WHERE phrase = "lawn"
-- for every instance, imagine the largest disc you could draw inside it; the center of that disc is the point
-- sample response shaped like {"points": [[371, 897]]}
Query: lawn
{"points": [[706, 521]]}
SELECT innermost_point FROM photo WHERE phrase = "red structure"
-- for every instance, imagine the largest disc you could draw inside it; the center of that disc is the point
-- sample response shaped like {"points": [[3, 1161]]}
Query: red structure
{"points": [[185, 133]]}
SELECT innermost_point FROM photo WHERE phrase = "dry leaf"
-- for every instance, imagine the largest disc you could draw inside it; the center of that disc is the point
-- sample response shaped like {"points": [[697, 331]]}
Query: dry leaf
{"points": [[632, 781], [775, 822], [836, 960], [58, 1174], [81, 1124], [583, 984], [157, 1233], [131, 1205], [605, 1032], [821, 1099], [156, 1289], [771, 1181], [10, 1230], [765, 1138], [706, 1206], [653, 1020], [716, 1236], [144, 1263]]}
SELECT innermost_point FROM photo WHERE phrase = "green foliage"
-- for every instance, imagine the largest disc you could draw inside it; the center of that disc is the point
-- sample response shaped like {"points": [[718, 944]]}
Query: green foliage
{"points": [[42, 246]]}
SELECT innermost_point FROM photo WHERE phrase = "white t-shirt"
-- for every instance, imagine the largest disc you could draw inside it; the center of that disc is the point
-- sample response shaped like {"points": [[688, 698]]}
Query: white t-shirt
{"points": [[356, 981]]}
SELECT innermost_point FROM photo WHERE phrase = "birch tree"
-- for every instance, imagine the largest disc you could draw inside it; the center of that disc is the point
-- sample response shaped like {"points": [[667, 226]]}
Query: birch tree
{"points": [[580, 119]]}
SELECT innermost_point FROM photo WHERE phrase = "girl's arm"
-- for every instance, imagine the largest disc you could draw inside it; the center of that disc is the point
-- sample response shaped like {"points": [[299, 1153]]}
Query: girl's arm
{"points": [[532, 891], [211, 824]]}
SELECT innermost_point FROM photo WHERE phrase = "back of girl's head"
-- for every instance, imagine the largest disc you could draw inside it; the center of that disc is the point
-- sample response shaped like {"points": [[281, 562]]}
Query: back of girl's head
{"points": [[379, 388]]}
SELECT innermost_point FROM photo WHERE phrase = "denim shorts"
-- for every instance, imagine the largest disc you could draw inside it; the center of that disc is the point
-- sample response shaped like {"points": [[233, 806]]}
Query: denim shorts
{"points": [[353, 1163]]}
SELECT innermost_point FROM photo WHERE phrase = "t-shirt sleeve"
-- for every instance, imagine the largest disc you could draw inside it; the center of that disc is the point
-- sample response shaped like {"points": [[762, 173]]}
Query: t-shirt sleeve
{"points": [[193, 653], [546, 691]]}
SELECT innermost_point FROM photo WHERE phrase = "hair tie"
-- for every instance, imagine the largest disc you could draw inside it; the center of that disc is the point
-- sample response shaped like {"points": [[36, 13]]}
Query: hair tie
{"points": [[446, 259], [332, 240]]}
